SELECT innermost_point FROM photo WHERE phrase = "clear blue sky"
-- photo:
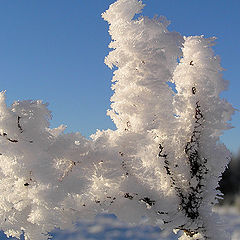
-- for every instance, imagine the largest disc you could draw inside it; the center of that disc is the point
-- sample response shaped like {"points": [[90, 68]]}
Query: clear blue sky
{"points": [[54, 51]]}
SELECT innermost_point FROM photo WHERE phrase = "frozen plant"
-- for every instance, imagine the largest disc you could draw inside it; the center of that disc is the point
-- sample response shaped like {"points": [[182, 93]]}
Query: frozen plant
{"points": [[162, 164]]}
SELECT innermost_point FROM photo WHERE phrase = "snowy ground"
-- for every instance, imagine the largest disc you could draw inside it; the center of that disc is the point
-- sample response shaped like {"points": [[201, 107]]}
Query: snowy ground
{"points": [[109, 228], [231, 217]]}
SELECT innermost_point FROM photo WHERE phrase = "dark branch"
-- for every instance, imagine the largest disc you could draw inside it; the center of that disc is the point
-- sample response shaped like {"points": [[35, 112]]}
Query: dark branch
{"points": [[19, 126]]}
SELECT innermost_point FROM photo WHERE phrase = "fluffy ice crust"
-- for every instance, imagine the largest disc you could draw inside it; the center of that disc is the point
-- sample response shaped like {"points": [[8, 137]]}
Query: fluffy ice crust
{"points": [[163, 162]]}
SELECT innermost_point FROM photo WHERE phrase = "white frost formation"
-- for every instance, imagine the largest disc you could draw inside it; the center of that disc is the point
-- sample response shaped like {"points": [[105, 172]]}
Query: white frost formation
{"points": [[163, 162]]}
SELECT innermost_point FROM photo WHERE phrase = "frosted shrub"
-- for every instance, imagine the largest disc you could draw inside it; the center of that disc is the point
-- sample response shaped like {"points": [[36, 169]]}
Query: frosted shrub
{"points": [[162, 164]]}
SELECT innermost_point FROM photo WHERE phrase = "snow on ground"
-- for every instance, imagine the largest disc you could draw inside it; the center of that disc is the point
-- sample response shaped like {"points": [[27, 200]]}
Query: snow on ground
{"points": [[109, 228], [231, 217]]}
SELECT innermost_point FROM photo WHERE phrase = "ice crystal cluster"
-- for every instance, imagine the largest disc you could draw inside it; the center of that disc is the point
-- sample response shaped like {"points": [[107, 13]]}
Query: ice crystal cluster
{"points": [[162, 164]]}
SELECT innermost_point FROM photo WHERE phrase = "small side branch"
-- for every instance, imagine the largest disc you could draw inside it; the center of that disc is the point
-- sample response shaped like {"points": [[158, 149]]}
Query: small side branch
{"points": [[19, 125], [9, 139], [68, 169], [191, 202]]}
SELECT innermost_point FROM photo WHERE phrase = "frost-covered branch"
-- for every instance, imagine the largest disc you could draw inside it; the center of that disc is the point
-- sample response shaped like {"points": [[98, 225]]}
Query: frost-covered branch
{"points": [[164, 161]]}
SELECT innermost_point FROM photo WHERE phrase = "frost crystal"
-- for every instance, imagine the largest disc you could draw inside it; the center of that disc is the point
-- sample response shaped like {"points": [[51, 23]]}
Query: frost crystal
{"points": [[164, 161]]}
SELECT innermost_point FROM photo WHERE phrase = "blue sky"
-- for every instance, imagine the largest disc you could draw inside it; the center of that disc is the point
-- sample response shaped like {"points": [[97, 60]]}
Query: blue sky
{"points": [[54, 51]]}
